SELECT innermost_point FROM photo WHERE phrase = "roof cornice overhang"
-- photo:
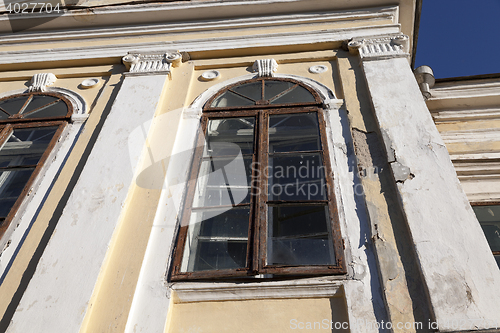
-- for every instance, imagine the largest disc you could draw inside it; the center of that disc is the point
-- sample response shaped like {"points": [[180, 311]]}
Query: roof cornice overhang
{"points": [[185, 11], [115, 23]]}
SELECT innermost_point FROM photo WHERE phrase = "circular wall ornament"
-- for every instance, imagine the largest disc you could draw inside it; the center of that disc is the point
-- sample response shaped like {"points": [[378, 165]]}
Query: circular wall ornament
{"points": [[318, 69], [210, 75], [89, 83]]}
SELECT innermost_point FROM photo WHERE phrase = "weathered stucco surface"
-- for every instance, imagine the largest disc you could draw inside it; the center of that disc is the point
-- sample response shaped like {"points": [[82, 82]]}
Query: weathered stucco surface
{"points": [[436, 208]]}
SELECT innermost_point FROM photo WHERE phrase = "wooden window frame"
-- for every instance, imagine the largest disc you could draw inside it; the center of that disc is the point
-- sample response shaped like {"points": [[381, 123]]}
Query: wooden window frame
{"points": [[7, 126], [258, 219]]}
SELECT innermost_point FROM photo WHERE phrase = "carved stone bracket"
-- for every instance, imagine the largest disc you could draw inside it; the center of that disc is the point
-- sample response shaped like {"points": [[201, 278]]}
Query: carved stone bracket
{"points": [[265, 67], [140, 63], [39, 82], [380, 48]]}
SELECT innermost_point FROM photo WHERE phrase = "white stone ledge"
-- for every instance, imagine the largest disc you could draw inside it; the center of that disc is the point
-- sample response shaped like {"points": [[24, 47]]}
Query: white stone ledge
{"points": [[185, 292]]}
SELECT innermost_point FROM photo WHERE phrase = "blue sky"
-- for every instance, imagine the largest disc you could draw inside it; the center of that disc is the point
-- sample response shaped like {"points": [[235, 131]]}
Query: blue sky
{"points": [[459, 38]]}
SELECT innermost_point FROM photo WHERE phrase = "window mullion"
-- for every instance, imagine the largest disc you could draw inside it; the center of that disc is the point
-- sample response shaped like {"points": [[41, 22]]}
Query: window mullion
{"points": [[4, 134], [261, 221]]}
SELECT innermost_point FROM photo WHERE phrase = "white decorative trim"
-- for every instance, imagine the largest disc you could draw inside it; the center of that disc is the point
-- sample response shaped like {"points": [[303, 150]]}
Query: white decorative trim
{"points": [[381, 47], [306, 288], [333, 104], [265, 67], [148, 63], [40, 81], [318, 69], [89, 83], [139, 18], [217, 43], [465, 115], [210, 75]]}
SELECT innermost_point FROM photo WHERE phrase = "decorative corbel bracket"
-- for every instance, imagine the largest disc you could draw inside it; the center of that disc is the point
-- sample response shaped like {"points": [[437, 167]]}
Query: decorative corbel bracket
{"points": [[265, 67], [151, 63], [380, 48], [39, 82]]}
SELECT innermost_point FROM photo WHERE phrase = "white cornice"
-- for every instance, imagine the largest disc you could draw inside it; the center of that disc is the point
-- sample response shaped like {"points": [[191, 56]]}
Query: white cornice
{"points": [[208, 44], [471, 135], [185, 11], [461, 89], [369, 16], [465, 114]]}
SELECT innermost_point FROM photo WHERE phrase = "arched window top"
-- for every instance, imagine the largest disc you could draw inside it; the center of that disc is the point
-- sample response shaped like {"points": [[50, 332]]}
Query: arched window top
{"points": [[34, 106], [261, 93]]}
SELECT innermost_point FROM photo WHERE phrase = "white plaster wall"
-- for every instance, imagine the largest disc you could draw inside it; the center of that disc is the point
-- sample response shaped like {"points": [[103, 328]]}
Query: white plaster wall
{"points": [[57, 297], [461, 275]]}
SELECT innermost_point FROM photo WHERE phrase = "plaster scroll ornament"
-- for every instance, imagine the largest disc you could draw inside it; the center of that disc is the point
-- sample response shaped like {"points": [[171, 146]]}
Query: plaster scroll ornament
{"points": [[39, 82], [151, 62], [380, 48], [265, 67]]}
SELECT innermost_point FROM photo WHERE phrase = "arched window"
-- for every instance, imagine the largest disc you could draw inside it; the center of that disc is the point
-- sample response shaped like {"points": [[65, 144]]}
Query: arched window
{"points": [[30, 125], [260, 198]]}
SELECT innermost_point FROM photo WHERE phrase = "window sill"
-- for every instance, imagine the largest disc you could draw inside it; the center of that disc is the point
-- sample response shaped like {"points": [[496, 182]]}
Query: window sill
{"points": [[186, 292]]}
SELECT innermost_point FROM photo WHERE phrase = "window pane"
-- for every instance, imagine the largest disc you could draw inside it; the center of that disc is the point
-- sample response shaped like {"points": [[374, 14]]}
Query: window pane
{"points": [[252, 90], [296, 95], [26, 146], [216, 239], [13, 105], [497, 258], [3, 116], [294, 132], [299, 235], [229, 136], [489, 218], [59, 109], [12, 184], [273, 88], [223, 181], [230, 99], [296, 177], [38, 101]]}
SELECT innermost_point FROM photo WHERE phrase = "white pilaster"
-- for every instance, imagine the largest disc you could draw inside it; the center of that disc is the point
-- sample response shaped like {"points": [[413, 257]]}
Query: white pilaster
{"points": [[458, 268], [57, 297]]}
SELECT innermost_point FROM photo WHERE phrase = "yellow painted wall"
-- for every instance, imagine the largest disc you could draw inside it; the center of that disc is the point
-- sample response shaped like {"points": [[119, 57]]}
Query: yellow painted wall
{"points": [[263, 316]]}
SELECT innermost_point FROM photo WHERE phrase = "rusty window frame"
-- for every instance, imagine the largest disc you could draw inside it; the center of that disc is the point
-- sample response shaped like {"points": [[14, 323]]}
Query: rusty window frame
{"points": [[258, 220], [487, 203], [7, 126]]}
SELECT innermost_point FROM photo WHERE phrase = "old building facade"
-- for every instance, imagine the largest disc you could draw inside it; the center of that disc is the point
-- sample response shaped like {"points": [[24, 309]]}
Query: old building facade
{"points": [[222, 166]]}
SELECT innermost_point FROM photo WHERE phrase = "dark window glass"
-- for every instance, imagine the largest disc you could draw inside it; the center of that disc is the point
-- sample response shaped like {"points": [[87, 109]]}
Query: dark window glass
{"points": [[299, 235], [272, 92], [489, 218], [12, 183], [217, 239], [14, 105]]}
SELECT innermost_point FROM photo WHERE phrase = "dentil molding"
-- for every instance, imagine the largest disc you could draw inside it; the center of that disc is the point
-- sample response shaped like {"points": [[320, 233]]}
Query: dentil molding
{"points": [[151, 63], [380, 47]]}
